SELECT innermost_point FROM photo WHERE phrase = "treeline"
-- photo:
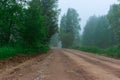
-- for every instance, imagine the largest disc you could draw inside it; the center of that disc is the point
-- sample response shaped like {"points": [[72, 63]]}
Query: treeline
{"points": [[103, 31], [98, 33], [70, 28], [26, 26], [102, 34]]}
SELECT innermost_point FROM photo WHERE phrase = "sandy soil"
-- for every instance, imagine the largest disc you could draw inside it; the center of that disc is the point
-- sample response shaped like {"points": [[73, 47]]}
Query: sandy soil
{"points": [[64, 64]]}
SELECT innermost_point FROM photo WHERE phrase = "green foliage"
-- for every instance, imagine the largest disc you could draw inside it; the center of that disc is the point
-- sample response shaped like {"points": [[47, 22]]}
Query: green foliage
{"points": [[34, 32], [34, 50], [91, 49], [97, 33], [10, 17], [51, 12], [69, 28], [103, 32], [111, 52], [114, 20], [26, 26], [6, 52]]}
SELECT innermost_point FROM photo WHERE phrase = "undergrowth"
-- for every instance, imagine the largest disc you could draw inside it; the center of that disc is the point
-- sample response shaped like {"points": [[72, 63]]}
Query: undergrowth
{"points": [[111, 52]]}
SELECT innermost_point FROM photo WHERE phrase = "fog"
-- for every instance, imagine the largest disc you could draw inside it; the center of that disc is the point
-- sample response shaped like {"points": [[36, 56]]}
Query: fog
{"points": [[86, 8]]}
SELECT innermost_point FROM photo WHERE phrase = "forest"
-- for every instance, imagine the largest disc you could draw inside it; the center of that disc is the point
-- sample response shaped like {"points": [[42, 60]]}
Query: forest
{"points": [[101, 34], [26, 26], [46, 40], [31, 27]]}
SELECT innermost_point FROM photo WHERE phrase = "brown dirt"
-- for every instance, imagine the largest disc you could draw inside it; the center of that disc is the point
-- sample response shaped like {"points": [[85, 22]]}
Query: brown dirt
{"points": [[14, 61], [62, 64]]}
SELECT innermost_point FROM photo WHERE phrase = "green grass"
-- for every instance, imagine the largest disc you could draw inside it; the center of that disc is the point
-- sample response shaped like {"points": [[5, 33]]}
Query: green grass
{"points": [[111, 52], [8, 51], [91, 49]]}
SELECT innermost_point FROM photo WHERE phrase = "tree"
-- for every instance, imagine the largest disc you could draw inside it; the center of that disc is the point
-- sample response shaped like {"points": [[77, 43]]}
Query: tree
{"points": [[69, 28], [114, 20], [34, 32], [88, 38], [97, 33], [27, 24], [50, 11], [10, 17]]}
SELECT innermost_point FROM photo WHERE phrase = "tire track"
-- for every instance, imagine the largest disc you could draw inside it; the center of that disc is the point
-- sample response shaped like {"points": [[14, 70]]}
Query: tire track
{"points": [[92, 68], [103, 58], [113, 68], [80, 73]]}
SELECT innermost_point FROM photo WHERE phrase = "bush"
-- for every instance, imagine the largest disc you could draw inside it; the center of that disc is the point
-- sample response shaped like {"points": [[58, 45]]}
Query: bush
{"points": [[112, 52], [91, 49], [6, 52], [36, 49]]}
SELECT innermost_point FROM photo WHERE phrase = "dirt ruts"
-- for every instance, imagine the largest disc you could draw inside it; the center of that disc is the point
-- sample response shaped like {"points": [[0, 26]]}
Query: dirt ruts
{"points": [[64, 64]]}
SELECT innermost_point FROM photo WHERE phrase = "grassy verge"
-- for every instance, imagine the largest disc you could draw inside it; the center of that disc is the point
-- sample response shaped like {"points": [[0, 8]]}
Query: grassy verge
{"points": [[111, 52], [8, 51]]}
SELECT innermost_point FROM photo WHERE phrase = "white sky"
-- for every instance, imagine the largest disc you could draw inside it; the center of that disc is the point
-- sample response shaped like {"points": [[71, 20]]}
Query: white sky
{"points": [[86, 8]]}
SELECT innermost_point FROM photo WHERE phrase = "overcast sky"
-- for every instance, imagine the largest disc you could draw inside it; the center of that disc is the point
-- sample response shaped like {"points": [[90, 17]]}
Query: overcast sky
{"points": [[86, 8]]}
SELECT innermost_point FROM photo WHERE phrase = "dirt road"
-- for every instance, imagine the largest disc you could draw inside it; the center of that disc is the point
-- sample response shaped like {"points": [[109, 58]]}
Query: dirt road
{"points": [[65, 64]]}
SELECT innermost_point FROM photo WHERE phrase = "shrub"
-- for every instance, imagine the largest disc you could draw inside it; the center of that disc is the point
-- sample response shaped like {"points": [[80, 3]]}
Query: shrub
{"points": [[91, 49], [112, 52], [6, 52]]}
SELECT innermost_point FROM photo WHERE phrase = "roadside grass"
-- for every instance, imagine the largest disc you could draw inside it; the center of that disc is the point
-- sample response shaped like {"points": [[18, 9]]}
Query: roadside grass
{"points": [[111, 52], [8, 51]]}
